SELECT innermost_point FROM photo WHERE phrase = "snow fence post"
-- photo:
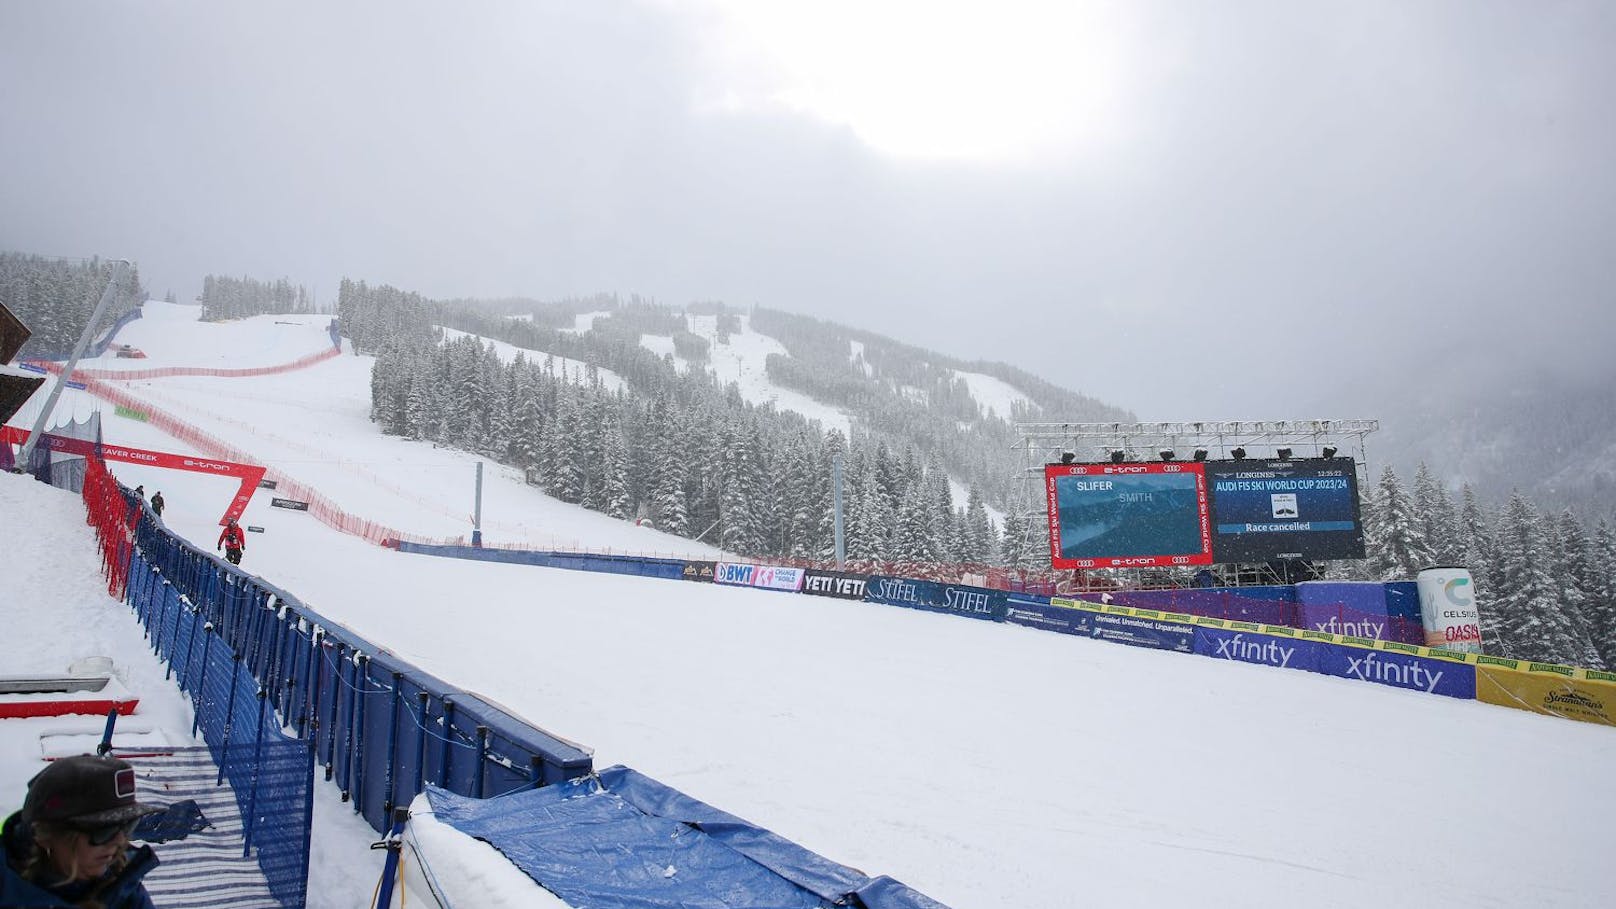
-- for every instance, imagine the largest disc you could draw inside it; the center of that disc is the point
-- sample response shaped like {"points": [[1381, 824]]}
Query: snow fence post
{"points": [[311, 692], [156, 627], [446, 752], [257, 771], [423, 696], [346, 776], [392, 747], [482, 758], [196, 693], [356, 755], [183, 603], [336, 711], [229, 716], [190, 651]]}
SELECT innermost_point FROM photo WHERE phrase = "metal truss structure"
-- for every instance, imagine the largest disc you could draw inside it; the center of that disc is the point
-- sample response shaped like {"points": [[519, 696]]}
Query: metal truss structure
{"points": [[1216, 440]]}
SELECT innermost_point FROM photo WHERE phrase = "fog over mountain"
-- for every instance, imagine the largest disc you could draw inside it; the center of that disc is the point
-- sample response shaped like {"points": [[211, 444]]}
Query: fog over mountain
{"points": [[1249, 210]]}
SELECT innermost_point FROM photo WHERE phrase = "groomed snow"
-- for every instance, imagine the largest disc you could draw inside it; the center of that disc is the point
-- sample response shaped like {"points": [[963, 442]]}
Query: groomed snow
{"points": [[994, 396], [985, 765], [585, 321], [743, 360]]}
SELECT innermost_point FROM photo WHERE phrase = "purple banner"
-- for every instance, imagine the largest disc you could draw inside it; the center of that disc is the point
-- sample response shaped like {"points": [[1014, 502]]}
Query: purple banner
{"points": [[1268, 605], [1269, 650], [1398, 670]]}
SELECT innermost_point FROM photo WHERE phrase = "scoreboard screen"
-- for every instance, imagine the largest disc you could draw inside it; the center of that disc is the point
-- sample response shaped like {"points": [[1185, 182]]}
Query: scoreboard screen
{"points": [[1295, 509], [1117, 515]]}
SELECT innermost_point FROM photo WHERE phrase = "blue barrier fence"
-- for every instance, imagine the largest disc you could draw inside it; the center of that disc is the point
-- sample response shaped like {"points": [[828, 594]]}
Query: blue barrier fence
{"points": [[98, 346], [270, 774], [384, 731], [578, 561], [379, 727]]}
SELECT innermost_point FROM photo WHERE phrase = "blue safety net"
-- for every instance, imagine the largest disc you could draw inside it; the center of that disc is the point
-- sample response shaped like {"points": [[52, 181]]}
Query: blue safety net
{"points": [[624, 841]]}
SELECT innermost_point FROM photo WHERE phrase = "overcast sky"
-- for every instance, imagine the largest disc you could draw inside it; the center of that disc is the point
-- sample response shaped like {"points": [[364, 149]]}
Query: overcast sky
{"points": [[1194, 210]]}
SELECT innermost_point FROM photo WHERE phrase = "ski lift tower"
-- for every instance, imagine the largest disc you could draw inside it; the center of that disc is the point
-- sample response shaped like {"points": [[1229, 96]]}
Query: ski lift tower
{"points": [[1055, 443]]}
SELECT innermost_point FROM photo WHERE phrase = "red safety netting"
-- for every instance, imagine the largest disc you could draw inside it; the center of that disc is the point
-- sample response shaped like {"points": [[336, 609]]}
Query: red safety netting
{"points": [[322, 508], [170, 371], [114, 521]]}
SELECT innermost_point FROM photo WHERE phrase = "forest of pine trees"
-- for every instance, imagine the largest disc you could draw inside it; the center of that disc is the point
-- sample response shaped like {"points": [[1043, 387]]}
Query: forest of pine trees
{"points": [[1544, 585], [698, 461], [691, 456], [55, 297], [237, 298]]}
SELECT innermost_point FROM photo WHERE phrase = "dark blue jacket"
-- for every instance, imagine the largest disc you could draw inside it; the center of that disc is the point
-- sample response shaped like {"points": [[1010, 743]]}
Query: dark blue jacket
{"points": [[124, 892]]}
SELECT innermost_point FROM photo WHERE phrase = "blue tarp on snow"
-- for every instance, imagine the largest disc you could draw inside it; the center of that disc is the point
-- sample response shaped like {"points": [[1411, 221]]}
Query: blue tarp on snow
{"points": [[625, 841]]}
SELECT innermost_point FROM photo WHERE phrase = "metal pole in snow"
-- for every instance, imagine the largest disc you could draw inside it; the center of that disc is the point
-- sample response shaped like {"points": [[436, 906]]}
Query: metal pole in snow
{"points": [[477, 516]]}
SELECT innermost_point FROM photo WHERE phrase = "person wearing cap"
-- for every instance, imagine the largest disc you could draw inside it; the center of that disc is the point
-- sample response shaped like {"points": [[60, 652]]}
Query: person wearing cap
{"points": [[68, 848]]}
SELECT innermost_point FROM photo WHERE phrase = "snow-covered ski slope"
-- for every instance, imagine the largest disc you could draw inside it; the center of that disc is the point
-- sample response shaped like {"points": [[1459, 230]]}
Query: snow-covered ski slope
{"points": [[986, 765]]}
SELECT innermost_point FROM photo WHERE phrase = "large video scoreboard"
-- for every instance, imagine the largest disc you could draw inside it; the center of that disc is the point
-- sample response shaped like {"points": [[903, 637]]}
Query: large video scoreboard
{"points": [[1305, 509], [1198, 513], [1114, 515]]}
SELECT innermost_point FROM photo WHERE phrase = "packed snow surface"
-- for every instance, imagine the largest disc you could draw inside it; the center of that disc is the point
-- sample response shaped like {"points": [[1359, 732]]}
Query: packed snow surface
{"points": [[985, 765], [994, 396]]}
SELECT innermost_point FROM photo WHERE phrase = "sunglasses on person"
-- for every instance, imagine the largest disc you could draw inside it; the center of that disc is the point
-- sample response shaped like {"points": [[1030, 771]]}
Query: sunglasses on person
{"points": [[100, 836]]}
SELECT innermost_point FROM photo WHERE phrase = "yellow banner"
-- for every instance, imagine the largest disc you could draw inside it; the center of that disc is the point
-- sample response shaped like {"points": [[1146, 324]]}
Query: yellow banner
{"points": [[1588, 700]]}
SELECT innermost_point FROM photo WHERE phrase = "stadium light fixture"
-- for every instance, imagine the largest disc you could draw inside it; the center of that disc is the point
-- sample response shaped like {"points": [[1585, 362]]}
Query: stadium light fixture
{"points": [[1239, 454], [1117, 455], [1068, 457], [1283, 453], [1329, 451], [1200, 454], [1167, 454]]}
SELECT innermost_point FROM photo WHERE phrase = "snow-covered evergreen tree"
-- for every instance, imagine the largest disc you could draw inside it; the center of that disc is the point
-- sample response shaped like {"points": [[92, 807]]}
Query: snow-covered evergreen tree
{"points": [[616, 485], [1602, 609], [1579, 586], [978, 532], [1530, 620], [1020, 551], [1438, 521], [1396, 544]]}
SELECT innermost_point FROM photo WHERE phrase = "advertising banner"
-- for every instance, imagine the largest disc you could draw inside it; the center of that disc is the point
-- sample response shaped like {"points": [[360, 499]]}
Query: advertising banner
{"points": [[1448, 609], [956, 599], [1143, 632], [1546, 692], [247, 474], [1050, 616], [290, 504], [266, 484], [1127, 515], [1398, 669], [1266, 649], [768, 577], [1291, 509], [698, 571], [838, 584]]}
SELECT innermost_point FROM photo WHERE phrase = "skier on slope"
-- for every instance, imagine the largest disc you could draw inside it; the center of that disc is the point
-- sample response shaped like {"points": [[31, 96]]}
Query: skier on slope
{"points": [[233, 541]]}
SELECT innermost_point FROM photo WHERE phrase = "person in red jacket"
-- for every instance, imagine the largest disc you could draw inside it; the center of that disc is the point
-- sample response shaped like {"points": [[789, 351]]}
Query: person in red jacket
{"points": [[233, 542]]}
